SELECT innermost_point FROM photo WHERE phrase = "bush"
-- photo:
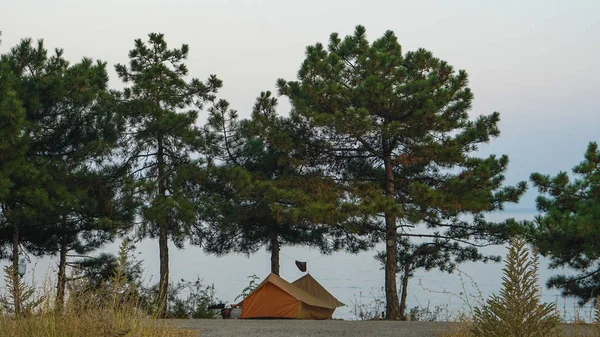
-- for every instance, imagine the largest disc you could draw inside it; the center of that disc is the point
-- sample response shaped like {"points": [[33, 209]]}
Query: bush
{"points": [[254, 282], [189, 299], [371, 309], [186, 299], [439, 313]]}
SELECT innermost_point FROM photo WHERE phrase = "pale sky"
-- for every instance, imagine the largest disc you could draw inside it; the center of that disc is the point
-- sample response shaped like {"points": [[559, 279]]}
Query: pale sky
{"points": [[534, 61]]}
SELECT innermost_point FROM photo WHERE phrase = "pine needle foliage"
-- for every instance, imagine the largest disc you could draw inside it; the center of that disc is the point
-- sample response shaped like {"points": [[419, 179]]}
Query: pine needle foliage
{"points": [[517, 311], [161, 148], [567, 231], [395, 129]]}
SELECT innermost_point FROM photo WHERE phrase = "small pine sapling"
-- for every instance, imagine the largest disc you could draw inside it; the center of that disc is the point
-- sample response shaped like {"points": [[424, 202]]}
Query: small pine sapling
{"points": [[517, 311]]}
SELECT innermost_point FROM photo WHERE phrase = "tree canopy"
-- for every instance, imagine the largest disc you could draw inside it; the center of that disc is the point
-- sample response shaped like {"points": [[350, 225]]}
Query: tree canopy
{"points": [[398, 125], [65, 199], [380, 146], [264, 191], [567, 230]]}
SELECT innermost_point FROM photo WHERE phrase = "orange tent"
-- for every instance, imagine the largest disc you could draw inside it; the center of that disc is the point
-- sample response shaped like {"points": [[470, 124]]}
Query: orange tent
{"points": [[277, 298]]}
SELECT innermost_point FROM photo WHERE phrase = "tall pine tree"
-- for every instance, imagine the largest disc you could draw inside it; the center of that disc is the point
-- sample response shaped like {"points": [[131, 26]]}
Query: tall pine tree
{"points": [[162, 141], [397, 125]]}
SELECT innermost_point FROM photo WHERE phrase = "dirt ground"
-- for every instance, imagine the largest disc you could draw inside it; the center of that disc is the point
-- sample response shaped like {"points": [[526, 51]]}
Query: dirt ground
{"points": [[331, 328], [278, 328]]}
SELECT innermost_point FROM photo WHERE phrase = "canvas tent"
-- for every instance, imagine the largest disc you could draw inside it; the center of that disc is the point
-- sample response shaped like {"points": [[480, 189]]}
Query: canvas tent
{"points": [[314, 288], [277, 298]]}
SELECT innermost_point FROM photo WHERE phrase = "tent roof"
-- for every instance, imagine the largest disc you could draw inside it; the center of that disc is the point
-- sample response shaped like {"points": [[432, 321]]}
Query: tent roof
{"points": [[311, 286], [295, 292]]}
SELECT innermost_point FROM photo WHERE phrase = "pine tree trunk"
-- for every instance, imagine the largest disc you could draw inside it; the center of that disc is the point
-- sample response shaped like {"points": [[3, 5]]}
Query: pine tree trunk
{"points": [[62, 270], [162, 238], [15, 264], [404, 291], [274, 253], [392, 309]]}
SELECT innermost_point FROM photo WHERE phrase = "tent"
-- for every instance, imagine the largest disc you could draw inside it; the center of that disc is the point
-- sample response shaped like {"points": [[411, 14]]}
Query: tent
{"points": [[277, 298], [314, 288]]}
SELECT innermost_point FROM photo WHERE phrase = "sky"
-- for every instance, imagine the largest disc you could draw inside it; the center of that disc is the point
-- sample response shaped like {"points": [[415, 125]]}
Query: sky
{"points": [[535, 62]]}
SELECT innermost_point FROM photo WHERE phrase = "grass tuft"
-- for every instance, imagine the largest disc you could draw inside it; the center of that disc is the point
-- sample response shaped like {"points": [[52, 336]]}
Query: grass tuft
{"points": [[107, 312]]}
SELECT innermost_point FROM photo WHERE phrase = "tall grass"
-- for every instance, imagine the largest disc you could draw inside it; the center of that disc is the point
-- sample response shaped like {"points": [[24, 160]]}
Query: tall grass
{"points": [[114, 311], [83, 320]]}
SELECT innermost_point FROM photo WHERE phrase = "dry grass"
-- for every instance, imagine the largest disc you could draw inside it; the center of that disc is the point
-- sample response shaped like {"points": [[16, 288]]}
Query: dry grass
{"points": [[82, 319], [462, 328], [101, 313]]}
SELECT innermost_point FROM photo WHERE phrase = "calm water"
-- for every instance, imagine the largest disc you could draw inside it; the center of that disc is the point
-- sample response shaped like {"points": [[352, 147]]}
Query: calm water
{"points": [[346, 276]]}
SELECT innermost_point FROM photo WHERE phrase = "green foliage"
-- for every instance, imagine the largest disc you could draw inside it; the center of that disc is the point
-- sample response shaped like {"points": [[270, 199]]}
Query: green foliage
{"points": [[186, 299], [95, 273], [441, 254], [395, 128], [192, 299], [517, 311], [110, 277], [263, 188], [22, 192], [12, 119], [161, 143], [567, 229], [64, 197], [254, 282], [160, 110]]}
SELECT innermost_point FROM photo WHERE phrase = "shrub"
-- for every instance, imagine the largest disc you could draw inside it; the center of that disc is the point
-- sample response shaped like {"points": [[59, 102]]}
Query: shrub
{"points": [[370, 309], [254, 282], [189, 299], [439, 313], [517, 311]]}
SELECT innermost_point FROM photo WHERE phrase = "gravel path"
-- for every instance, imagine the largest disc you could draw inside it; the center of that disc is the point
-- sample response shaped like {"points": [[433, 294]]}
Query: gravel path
{"points": [[280, 328], [331, 328]]}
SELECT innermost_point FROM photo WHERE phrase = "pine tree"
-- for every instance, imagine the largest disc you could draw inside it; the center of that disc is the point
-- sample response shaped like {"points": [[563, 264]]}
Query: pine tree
{"points": [[26, 194], [12, 160], [162, 140], [567, 231], [65, 199], [517, 311], [397, 131], [262, 191]]}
